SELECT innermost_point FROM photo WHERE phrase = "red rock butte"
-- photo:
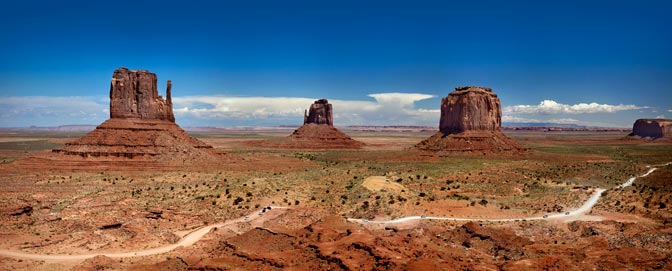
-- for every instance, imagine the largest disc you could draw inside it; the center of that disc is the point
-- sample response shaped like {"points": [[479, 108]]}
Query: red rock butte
{"points": [[652, 128], [471, 120], [140, 133], [320, 112]]}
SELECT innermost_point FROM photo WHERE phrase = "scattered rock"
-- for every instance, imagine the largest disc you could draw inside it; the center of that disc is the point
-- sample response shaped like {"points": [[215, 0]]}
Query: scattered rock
{"points": [[99, 262], [110, 225], [26, 209], [154, 214]]}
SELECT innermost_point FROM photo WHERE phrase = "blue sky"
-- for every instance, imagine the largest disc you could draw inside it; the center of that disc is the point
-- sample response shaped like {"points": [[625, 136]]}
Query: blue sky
{"points": [[602, 63]]}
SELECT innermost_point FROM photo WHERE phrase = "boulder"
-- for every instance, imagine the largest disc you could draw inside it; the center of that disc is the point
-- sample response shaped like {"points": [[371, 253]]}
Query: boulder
{"points": [[24, 209]]}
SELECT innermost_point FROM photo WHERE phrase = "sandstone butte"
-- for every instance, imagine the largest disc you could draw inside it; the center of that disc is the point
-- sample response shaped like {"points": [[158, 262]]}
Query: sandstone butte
{"points": [[141, 131], [652, 128], [471, 120], [317, 132]]}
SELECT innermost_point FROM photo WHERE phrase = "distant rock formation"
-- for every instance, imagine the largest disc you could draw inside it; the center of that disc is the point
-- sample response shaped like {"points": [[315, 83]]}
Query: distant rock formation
{"points": [[141, 128], [471, 120], [317, 132], [320, 113], [134, 94], [652, 128]]}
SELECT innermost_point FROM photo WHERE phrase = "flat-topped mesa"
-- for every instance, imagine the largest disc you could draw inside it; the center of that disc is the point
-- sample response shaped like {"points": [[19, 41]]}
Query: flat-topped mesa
{"points": [[134, 94], [320, 112], [471, 121], [470, 108], [652, 128]]}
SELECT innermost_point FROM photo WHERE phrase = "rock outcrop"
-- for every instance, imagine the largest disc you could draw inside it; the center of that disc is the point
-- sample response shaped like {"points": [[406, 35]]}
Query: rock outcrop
{"points": [[134, 94], [320, 113], [471, 120], [469, 109], [652, 128], [141, 128]]}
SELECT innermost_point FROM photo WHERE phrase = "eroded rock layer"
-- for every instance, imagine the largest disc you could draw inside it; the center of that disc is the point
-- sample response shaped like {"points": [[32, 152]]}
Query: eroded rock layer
{"points": [[138, 138], [471, 120], [652, 128]]}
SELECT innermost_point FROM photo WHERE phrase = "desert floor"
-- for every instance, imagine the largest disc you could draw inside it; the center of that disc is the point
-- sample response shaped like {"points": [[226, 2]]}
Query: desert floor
{"points": [[119, 212]]}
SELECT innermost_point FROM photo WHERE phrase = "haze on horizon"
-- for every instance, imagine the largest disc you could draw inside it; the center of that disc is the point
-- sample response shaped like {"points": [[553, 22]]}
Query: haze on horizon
{"points": [[596, 63]]}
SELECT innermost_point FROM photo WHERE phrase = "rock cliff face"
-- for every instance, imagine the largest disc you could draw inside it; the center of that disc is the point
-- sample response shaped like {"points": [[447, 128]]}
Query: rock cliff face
{"points": [[134, 94], [319, 113], [653, 128], [470, 108], [471, 120]]}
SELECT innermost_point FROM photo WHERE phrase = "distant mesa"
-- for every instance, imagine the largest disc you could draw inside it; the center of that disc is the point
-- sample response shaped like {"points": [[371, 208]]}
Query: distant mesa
{"points": [[317, 132], [471, 120], [141, 128], [652, 129]]}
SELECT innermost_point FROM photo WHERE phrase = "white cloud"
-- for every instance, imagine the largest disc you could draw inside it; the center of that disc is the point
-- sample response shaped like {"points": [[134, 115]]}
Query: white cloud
{"points": [[660, 116], [669, 110], [564, 121], [387, 108], [514, 119], [548, 107]]}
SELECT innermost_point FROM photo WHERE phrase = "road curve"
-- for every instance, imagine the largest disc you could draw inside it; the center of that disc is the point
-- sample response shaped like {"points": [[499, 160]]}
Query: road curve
{"points": [[587, 206], [186, 241]]}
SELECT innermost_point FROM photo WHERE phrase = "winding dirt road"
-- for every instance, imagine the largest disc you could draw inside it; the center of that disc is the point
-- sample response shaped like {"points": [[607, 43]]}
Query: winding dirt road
{"points": [[198, 234], [580, 211]]}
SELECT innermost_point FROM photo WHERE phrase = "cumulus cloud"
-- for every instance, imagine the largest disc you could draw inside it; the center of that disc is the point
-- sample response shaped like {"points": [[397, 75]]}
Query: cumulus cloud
{"points": [[660, 116], [378, 109], [669, 110], [385, 109], [548, 107]]}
